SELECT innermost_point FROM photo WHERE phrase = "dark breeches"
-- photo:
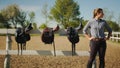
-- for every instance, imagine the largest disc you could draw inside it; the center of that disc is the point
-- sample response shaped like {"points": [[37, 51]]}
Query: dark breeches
{"points": [[99, 47]]}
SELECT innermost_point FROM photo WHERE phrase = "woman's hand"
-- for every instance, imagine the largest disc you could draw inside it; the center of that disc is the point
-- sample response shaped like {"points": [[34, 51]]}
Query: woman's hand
{"points": [[106, 38], [91, 38]]}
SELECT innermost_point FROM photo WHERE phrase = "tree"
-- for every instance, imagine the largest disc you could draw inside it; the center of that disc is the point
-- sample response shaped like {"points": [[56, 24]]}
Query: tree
{"points": [[15, 16], [3, 22], [20, 19], [113, 25], [31, 19], [108, 15], [43, 26], [118, 20], [65, 12], [10, 13], [32, 16], [34, 26], [45, 13]]}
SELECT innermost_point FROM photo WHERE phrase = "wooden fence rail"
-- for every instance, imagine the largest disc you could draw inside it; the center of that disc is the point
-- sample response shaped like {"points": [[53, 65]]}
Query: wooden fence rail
{"points": [[115, 36]]}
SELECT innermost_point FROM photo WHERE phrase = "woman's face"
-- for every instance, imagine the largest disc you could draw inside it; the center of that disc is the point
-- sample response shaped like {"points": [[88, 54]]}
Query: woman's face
{"points": [[101, 14]]}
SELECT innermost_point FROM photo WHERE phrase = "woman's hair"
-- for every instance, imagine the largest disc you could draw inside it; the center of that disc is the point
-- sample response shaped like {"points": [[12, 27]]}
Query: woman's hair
{"points": [[97, 10]]}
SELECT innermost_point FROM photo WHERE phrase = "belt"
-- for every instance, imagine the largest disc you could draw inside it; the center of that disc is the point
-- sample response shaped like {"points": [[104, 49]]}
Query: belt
{"points": [[98, 39]]}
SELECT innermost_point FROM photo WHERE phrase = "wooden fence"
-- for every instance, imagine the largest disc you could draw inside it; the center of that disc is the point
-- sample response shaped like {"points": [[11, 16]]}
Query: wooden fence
{"points": [[115, 36]]}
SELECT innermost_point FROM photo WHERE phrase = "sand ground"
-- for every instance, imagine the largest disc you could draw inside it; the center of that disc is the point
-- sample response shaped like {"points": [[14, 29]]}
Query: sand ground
{"points": [[112, 58]]}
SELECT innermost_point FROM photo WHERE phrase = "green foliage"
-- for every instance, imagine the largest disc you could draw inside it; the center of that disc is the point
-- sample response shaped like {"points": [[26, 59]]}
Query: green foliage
{"points": [[113, 25], [3, 22], [9, 13], [108, 15], [73, 24], [31, 16], [46, 14], [84, 22], [65, 12], [2, 25], [118, 20], [20, 19], [76, 22], [43, 26], [34, 26], [13, 15], [31, 20]]}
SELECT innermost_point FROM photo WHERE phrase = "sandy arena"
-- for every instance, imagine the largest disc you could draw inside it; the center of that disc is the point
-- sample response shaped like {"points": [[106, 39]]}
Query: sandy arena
{"points": [[112, 58]]}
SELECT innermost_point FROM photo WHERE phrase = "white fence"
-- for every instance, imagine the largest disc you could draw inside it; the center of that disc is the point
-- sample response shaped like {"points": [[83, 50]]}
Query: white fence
{"points": [[35, 31], [115, 36], [12, 31]]}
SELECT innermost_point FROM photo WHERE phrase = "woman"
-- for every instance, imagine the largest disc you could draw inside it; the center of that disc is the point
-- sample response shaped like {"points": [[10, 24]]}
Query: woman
{"points": [[97, 37]]}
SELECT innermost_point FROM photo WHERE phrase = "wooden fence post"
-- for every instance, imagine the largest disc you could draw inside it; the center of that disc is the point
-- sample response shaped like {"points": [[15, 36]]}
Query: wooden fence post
{"points": [[8, 47]]}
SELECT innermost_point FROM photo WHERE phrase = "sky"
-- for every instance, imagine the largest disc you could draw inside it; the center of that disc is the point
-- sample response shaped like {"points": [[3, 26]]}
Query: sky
{"points": [[86, 7]]}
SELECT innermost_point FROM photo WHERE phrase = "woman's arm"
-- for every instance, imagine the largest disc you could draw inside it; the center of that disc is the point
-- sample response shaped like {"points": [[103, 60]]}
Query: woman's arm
{"points": [[109, 31], [85, 29], [88, 36]]}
